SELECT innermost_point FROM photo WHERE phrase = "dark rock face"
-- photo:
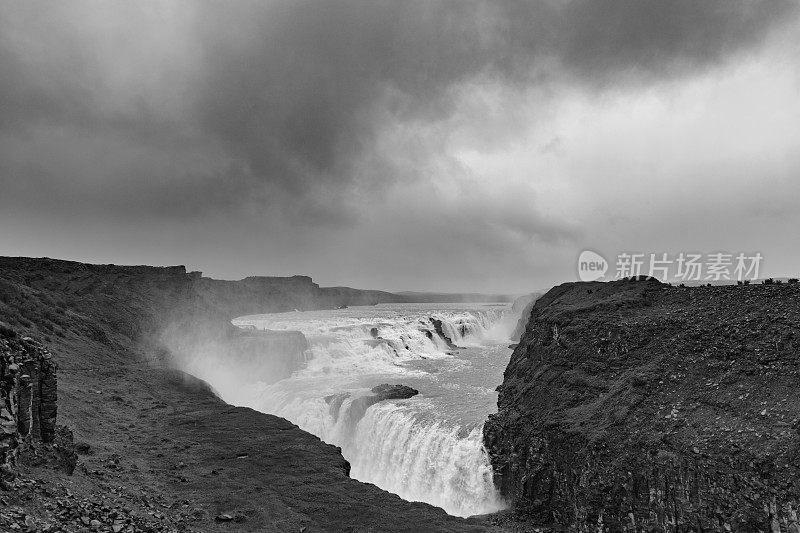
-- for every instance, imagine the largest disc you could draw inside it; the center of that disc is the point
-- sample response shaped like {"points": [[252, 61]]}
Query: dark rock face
{"points": [[261, 294], [437, 325], [393, 392], [381, 393], [28, 394], [636, 406]]}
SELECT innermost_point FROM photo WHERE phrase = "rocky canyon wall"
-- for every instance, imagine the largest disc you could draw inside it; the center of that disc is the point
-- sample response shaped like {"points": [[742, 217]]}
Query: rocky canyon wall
{"points": [[28, 395], [165, 306], [262, 294], [637, 406]]}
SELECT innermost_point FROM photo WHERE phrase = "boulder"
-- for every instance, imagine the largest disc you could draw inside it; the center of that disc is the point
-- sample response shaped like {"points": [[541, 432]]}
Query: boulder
{"points": [[393, 392]]}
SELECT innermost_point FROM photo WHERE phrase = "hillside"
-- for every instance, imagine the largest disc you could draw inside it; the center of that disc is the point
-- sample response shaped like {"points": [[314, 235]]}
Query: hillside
{"points": [[260, 294], [159, 452], [644, 407]]}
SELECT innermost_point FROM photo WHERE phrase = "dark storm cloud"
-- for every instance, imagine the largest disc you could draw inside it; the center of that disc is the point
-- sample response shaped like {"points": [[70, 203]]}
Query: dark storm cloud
{"points": [[299, 89], [280, 103]]}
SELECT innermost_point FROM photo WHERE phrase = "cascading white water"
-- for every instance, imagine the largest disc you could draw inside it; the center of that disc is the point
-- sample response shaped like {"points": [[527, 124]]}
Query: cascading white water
{"points": [[346, 344], [427, 448], [426, 461], [401, 446]]}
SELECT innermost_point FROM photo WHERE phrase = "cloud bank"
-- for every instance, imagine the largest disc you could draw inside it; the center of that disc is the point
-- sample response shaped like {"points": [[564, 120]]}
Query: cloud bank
{"points": [[301, 127]]}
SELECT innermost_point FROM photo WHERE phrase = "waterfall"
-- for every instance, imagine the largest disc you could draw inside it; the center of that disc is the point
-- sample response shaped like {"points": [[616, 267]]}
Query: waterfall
{"points": [[401, 449], [355, 344], [423, 448], [424, 461]]}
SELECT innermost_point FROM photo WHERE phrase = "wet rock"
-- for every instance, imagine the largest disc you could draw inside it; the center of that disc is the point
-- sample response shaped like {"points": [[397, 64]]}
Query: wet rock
{"points": [[360, 404], [393, 392], [437, 325]]}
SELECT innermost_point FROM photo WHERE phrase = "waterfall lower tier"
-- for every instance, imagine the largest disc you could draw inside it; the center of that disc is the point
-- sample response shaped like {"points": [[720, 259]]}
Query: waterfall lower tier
{"points": [[400, 446], [424, 461], [425, 448]]}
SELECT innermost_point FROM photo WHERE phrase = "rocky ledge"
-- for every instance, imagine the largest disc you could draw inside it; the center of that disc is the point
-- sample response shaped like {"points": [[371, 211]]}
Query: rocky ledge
{"points": [[393, 392], [638, 406], [360, 404]]}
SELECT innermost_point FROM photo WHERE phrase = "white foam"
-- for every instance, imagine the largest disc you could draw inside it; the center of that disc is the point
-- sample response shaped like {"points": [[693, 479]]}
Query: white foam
{"points": [[404, 447]]}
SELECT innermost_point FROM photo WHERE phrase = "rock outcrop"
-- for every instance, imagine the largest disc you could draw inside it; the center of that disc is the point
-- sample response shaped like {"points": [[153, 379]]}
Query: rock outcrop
{"points": [[360, 404], [637, 406], [393, 392], [28, 395], [437, 326]]}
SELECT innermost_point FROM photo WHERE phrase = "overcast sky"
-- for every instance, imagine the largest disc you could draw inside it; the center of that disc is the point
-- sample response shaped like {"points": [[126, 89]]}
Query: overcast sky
{"points": [[405, 145]]}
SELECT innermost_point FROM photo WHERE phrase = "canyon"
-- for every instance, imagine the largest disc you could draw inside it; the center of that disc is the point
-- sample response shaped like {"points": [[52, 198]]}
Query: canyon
{"points": [[157, 445], [627, 406]]}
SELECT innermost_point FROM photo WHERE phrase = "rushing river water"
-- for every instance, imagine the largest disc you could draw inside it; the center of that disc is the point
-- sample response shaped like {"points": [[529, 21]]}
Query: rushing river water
{"points": [[426, 448]]}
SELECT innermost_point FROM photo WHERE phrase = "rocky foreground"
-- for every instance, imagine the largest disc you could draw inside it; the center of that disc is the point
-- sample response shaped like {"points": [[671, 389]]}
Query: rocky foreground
{"points": [[157, 450], [638, 406]]}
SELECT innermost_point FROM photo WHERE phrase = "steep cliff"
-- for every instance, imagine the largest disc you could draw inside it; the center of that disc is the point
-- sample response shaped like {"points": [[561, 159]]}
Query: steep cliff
{"points": [[158, 448], [637, 406], [260, 294], [28, 395]]}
